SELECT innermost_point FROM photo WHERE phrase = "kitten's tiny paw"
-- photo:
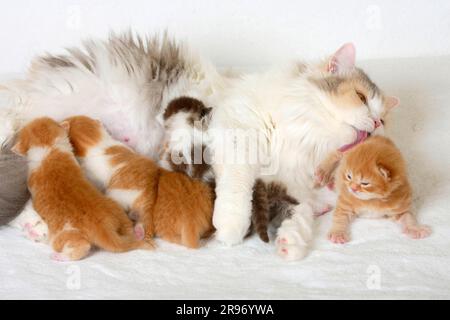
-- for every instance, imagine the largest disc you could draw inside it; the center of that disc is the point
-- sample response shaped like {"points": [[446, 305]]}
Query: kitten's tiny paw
{"points": [[417, 232], [56, 256], [289, 246], [339, 237], [139, 231], [291, 252], [322, 177], [36, 232]]}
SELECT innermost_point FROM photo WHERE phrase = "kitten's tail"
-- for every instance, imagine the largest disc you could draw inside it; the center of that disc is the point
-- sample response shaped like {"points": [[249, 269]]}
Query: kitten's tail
{"points": [[260, 211], [120, 239]]}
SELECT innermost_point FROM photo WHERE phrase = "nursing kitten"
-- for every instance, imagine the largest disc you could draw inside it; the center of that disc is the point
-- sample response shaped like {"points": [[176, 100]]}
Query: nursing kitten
{"points": [[185, 150], [76, 213], [372, 181], [170, 205], [125, 81]]}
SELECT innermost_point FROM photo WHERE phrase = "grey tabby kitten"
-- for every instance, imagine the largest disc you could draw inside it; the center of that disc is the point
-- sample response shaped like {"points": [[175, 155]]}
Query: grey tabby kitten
{"points": [[13, 185]]}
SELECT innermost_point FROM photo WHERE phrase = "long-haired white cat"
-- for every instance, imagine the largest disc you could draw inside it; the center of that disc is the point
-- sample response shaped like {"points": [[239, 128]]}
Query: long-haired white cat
{"points": [[303, 112]]}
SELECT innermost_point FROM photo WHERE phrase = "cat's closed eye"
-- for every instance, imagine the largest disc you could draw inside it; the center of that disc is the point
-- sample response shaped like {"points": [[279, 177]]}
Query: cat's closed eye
{"points": [[365, 184], [362, 97]]}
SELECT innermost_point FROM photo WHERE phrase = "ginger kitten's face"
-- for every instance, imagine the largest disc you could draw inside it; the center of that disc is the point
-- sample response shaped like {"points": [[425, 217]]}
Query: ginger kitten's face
{"points": [[42, 133], [365, 181]]}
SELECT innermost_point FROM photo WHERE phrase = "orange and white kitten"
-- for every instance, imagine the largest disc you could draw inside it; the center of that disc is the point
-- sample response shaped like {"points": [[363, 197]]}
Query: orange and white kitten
{"points": [[76, 213], [171, 205], [372, 182]]}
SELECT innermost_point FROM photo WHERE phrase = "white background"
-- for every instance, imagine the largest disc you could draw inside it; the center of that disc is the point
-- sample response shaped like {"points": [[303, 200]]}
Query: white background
{"points": [[231, 32]]}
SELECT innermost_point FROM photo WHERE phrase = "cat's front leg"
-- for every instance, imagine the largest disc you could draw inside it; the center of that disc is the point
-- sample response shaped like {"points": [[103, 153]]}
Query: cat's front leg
{"points": [[295, 233], [324, 173], [339, 232], [232, 208]]}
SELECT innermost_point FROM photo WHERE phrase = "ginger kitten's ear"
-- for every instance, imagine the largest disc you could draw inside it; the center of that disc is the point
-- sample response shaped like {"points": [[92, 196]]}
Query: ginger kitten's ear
{"points": [[392, 102], [17, 149], [343, 60], [65, 125], [385, 173]]}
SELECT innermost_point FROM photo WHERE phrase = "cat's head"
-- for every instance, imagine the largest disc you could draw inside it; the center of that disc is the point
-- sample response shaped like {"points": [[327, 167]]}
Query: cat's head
{"points": [[372, 170], [84, 133], [349, 94], [39, 133]]}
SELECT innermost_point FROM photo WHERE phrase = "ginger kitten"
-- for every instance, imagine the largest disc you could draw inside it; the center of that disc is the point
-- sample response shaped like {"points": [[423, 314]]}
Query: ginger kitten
{"points": [[170, 205], [372, 182], [76, 213]]}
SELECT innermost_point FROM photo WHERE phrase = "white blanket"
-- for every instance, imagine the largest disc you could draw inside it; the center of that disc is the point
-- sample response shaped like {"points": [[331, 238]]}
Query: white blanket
{"points": [[379, 262]]}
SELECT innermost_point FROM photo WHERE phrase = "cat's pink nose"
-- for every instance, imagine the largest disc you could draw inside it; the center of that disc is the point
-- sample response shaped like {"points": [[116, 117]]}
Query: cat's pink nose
{"points": [[354, 188], [377, 123]]}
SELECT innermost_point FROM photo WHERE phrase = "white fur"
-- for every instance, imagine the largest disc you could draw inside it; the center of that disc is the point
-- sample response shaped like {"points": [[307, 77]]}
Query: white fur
{"points": [[123, 101], [96, 163], [36, 155], [301, 127], [124, 197], [31, 223]]}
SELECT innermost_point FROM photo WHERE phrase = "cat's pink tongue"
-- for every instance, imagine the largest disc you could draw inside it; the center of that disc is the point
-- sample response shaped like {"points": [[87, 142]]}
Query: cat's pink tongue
{"points": [[360, 137]]}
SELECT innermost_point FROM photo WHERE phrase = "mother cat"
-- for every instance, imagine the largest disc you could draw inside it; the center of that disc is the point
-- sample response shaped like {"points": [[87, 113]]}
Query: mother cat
{"points": [[303, 111]]}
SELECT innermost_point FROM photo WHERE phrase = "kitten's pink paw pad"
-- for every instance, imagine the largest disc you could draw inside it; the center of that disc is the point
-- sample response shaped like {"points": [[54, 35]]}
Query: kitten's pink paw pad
{"points": [[338, 237], [58, 257], [139, 232], [417, 232], [291, 252]]}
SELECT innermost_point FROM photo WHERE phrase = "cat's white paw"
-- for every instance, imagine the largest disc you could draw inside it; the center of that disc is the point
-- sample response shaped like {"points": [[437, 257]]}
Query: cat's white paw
{"points": [[231, 226], [417, 232], [230, 235]]}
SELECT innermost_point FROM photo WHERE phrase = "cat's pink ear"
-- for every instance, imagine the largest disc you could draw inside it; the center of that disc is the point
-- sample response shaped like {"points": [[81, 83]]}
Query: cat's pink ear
{"points": [[392, 102], [385, 173], [65, 125], [343, 60]]}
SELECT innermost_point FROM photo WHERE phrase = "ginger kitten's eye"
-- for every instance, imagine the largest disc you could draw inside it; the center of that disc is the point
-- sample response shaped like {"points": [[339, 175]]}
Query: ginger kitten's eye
{"points": [[362, 97], [349, 176], [365, 184]]}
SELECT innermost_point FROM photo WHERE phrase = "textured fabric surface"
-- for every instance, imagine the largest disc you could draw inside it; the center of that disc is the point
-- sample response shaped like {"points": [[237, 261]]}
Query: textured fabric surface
{"points": [[379, 262]]}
